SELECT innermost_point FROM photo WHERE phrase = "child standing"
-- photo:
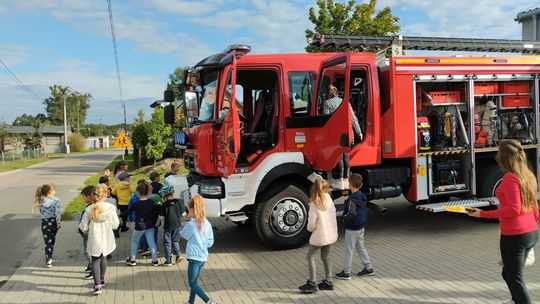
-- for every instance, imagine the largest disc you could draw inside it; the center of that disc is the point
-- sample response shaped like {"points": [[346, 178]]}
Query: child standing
{"points": [[172, 210], [199, 235], [145, 220], [98, 221], [87, 194], [322, 224], [355, 217], [122, 190], [49, 207]]}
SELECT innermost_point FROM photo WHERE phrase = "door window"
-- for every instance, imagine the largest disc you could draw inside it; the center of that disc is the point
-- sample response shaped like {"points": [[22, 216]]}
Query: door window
{"points": [[329, 97], [301, 86]]}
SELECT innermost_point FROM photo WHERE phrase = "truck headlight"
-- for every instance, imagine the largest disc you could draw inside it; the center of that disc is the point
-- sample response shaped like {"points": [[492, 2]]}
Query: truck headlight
{"points": [[211, 190]]}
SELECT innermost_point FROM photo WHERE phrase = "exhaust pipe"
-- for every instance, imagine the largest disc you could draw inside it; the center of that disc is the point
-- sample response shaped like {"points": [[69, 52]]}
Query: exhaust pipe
{"points": [[379, 209]]}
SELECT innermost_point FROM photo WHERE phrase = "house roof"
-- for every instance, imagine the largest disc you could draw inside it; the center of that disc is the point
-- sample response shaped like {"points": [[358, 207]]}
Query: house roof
{"points": [[527, 14], [30, 129]]}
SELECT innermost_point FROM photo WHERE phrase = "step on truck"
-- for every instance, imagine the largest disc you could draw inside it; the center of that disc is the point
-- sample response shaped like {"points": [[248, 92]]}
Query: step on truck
{"points": [[257, 136]]}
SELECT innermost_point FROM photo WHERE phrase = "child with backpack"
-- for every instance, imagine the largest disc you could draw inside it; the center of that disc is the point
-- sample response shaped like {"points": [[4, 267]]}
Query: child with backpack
{"points": [[355, 217], [172, 211], [322, 224], [99, 220], [49, 208], [87, 195]]}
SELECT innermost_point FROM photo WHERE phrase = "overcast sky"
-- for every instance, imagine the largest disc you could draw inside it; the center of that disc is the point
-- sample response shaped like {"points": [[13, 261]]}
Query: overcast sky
{"points": [[68, 42]]}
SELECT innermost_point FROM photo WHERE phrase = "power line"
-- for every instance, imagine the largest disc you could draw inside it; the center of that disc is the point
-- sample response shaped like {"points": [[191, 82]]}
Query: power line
{"points": [[18, 81], [113, 35]]}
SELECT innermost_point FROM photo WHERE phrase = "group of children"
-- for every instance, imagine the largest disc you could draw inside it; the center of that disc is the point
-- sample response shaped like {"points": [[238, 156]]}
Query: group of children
{"points": [[322, 224], [154, 205]]}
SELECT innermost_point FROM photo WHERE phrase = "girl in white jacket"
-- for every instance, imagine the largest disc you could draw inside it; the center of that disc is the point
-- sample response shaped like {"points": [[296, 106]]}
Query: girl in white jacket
{"points": [[99, 220], [322, 224]]}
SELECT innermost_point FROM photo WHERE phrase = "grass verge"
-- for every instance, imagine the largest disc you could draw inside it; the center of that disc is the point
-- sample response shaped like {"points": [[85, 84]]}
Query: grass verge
{"points": [[13, 165], [77, 205]]}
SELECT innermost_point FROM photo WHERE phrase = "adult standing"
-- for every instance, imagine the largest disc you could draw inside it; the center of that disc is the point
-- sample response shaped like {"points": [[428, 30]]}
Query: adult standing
{"points": [[518, 216], [330, 106]]}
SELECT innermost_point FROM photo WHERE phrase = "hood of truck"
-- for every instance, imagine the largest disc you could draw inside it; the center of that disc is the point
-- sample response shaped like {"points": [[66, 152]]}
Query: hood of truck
{"points": [[200, 157]]}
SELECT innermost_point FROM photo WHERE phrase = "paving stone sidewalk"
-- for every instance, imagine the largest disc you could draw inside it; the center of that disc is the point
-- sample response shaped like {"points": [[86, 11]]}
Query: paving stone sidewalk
{"points": [[418, 258]]}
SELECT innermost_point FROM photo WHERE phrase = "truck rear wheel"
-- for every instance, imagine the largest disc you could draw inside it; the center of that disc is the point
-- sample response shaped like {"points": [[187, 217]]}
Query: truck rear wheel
{"points": [[281, 218], [490, 180]]}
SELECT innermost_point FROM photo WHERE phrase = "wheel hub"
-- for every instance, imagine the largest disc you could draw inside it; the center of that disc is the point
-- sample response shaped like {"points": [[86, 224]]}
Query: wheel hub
{"points": [[288, 217]]}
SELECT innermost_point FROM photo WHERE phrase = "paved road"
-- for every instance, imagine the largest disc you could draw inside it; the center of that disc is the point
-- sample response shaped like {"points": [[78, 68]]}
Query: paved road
{"points": [[19, 228], [418, 258]]}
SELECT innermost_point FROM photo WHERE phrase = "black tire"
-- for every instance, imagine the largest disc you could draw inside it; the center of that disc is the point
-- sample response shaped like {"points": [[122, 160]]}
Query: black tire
{"points": [[488, 181], [281, 218]]}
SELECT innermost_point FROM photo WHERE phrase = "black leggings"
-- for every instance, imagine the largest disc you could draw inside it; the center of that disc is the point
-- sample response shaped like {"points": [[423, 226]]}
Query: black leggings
{"points": [[49, 228], [99, 267], [344, 166], [514, 251], [124, 215]]}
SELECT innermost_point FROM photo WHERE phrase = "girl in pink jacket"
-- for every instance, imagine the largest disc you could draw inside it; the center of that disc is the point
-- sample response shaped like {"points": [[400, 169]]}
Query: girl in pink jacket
{"points": [[322, 224]]}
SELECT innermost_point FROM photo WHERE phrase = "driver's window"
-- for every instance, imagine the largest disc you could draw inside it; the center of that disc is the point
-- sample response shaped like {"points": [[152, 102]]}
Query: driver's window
{"points": [[239, 96], [331, 89]]}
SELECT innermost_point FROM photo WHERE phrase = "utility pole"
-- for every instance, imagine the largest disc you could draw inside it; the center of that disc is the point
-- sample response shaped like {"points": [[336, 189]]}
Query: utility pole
{"points": [[65, 128]]}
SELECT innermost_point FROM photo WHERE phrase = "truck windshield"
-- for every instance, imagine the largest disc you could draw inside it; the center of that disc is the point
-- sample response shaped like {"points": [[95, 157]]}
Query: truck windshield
{"points": [[208, 89]]}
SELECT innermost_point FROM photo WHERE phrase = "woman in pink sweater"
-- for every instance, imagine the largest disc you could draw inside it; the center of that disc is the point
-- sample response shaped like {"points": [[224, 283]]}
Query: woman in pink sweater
{"points": [[518, 216], [322, 224]]}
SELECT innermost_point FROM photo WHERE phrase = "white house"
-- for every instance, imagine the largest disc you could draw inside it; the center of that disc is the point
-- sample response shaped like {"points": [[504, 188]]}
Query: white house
{"points": [[97, 142]]}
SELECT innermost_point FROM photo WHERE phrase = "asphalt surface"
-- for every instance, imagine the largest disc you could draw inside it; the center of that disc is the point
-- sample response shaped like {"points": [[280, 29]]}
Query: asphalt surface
{"points": [[19, 227]]}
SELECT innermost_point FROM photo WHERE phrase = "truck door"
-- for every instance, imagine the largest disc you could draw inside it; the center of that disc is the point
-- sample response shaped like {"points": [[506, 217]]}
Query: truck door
{"points": [[331, 128], [227, 126]]}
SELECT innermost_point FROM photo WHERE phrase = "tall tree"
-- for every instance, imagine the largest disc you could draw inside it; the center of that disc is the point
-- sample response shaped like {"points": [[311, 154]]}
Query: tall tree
{"points": [[350, 19], [30, 120], [159, 135], [77, 104], [176, 78]]}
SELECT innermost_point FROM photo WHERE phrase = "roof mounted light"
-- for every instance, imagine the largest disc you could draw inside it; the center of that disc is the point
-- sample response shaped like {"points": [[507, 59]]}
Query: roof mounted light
{"points": [[240, 49]]}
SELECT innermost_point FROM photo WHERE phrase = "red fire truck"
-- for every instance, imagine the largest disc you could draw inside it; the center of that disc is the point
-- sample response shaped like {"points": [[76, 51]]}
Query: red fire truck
{"points": [[257, 135]]}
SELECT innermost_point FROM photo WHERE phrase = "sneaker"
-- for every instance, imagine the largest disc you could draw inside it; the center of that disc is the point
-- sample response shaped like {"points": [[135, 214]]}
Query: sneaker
{"points": [[131, 262], [48, 264], [97, 290], [155, 263], [167, 263], [146, 252], [211, 302], [178, 259], [343, 275], [366, 272], [140, 250], [326, 285], [102, 283], [88, 268], [88, 277], [309, 287]]}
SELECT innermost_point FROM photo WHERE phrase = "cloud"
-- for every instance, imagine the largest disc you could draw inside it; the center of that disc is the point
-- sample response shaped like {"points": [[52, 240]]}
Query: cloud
{"points": [[138, 90], [183, 8], [13, 54], [477, 19]]}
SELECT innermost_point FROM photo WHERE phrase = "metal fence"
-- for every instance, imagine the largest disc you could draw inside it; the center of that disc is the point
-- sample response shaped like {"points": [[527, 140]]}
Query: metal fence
{"points": [[11, 156]]}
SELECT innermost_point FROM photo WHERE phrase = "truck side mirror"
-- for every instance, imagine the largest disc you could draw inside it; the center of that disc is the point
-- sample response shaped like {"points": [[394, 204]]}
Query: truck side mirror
{"points": [[168, 114], [168, 96]]}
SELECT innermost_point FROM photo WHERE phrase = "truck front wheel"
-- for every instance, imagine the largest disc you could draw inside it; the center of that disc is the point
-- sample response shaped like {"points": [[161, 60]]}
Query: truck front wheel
{"points": [[281, 218]]}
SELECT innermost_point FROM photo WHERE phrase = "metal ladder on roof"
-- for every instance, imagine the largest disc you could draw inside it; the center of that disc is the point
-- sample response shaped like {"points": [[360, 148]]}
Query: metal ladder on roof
{"points": [[400, 43]]}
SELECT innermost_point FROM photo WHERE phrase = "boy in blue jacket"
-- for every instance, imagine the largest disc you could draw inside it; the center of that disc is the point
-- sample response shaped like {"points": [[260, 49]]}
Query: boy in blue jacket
{"points": [[355, 217]]}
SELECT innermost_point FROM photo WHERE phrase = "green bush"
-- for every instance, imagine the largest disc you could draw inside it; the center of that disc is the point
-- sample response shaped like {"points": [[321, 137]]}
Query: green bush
{"points": [[77, 142]]}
